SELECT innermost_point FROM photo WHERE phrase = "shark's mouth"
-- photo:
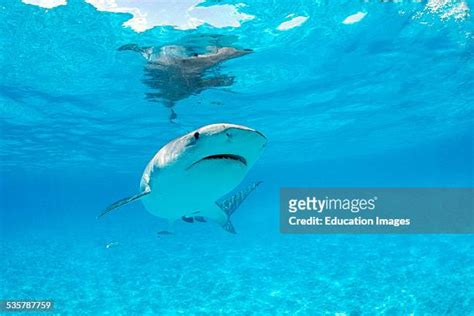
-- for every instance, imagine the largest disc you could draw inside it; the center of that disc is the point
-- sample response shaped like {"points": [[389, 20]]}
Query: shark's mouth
{"points": [[230, 157], [227, 156]]}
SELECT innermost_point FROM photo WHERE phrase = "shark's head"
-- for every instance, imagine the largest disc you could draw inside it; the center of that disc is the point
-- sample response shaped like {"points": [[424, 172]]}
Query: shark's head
{"points": [[225, 144], [220, 153]]}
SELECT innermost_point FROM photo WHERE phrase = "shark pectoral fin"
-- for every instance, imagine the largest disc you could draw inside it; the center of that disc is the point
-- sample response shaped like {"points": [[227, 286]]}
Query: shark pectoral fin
{"points": [[229, 205], [123, 202]]}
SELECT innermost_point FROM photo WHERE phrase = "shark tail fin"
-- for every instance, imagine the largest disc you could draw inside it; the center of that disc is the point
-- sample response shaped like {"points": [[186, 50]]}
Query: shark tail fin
{"points": [[123, 202], [228, 227], [231, 204]]}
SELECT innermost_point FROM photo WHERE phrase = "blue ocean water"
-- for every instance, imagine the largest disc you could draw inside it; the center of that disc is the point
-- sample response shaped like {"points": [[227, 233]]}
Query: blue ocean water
{"points": [[384, 101]]}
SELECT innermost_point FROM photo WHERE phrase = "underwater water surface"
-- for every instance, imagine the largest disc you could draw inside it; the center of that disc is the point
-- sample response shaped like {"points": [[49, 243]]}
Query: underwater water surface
{"points": [[348, 94]]}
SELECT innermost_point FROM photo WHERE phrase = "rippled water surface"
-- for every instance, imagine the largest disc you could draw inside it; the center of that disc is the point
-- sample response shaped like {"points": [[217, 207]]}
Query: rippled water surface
{"points": [[348, 94]]}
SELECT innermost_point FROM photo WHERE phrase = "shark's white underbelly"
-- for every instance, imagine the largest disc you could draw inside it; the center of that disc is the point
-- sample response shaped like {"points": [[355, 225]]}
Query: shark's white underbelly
{"points": [[192, 192]]}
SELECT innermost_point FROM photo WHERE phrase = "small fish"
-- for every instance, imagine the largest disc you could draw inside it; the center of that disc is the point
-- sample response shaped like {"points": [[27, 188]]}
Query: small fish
{"points": [[164, 232], [112, 244]]}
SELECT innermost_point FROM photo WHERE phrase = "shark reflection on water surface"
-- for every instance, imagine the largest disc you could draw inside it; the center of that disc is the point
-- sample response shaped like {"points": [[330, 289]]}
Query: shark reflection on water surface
{"points": [[175, 72]]}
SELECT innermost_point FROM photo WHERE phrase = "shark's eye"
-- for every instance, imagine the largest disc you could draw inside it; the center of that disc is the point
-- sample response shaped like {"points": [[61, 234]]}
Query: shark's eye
{"points": [[196, 135]]}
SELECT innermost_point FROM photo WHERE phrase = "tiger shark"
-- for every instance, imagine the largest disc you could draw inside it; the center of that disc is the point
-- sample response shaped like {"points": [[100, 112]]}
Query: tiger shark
{"points": [[176, 74], [188, 177]]}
